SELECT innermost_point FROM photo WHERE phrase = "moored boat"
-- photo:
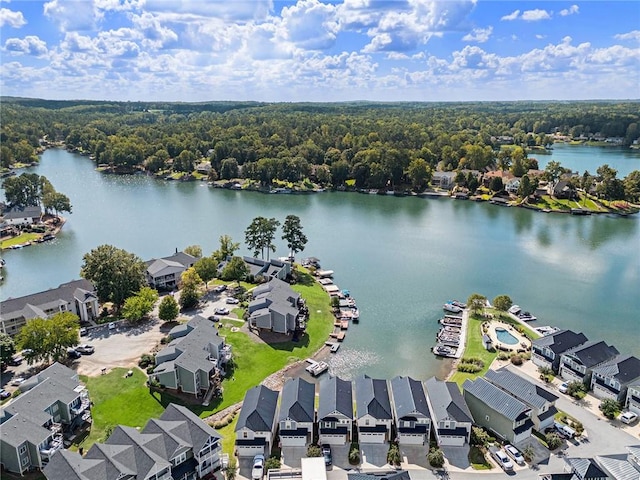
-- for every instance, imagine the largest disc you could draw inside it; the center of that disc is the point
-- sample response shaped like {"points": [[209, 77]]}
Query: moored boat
{"points": [[450, 307]]}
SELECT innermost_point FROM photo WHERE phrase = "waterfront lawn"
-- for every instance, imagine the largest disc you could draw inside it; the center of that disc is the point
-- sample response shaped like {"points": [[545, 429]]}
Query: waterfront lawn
{"points": [[22, 238], [547, 201], [529, 332], [474, 349], [118, 400]]}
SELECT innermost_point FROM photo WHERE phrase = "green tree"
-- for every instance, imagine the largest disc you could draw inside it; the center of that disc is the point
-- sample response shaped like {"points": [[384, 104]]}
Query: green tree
{"points": [[194, 251], [609, 187], [189, 282], [496, 185], [476, 303], [235, 269], [502, 302], [184, 161], [168, 309], [631, 185], [259, 235], [227, 248], [138, 306], [419, 173], [576, 389], [314, 451], [229, 168], [292, 233], [609, 408], [528, 452], [436, 457], [527, 187], [23, 190], [7, 348], [56, 201], [272, 463], [207, 268], [553, 440], [553, 170], [231, 469], [393, 455], [115, 273], [49, 338]]}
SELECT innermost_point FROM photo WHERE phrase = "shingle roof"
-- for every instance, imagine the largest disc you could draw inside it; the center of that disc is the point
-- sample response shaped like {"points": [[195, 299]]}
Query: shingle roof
{"points": [[198, 431], [69, 465], [585, 468], [336, 395], [446, 401], [372, 398], [258, 409], [17, 212], [624, 368], [593, 353], [524, 390], [498, 400], [297, 400], [561, 341], [137, 457], [409, 397]]}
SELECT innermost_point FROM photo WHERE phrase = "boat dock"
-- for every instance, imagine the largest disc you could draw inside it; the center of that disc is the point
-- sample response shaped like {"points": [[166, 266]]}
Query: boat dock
{"points": [[451, 337]]}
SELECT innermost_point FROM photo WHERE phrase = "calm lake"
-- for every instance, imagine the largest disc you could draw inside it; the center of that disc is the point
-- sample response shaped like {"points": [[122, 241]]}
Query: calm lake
{"points": [[401, 258]]}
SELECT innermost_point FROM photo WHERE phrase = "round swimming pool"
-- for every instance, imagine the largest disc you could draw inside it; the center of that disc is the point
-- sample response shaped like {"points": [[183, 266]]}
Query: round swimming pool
{"points": [[505, 337]]}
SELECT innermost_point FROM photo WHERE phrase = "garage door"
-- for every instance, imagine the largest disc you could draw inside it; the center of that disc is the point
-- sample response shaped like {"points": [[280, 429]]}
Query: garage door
{"points": [[369, 437]]}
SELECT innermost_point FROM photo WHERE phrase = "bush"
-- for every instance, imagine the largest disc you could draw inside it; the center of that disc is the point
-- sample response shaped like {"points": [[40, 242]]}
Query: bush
{"points": [[610, 408], [146, 360], [150, 369], [314, 451], [272, 463], [553, 440], [354, 454], [470, 365], [504, 356], [576, 389], [517, 360], [393, 455], [436, 457], [480, 437]]}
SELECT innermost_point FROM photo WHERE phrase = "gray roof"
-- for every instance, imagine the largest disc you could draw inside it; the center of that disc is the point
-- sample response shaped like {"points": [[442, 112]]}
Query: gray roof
{"points": [[258, 409], [561, 341], [297, 400], [618, 466], [593, 353], [336, 395], [22, 212], [159, 265], [63, 294], [196, 432], [372, 398], [69, 465], [524, 390], [184, 259], [409, 398], [136, 457], [446, 401], [495, 398], [624, 368], [585, 468]]}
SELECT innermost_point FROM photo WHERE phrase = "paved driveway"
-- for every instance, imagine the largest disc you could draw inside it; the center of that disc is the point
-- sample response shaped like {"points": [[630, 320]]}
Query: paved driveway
{"points": [[291, 456], [415, 455], [374, 454]]}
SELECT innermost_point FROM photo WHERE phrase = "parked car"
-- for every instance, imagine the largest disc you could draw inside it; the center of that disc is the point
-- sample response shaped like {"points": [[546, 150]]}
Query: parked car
{"points": [[232, 301], [16, 382], [73, 353], [219, 288], [257, 471], [4, 394], [112, 325], [326, 453], [628, 417], [565, 431], [85, 349], [221, 311], [83, 331], [501, 458], [514, 453], [15, 360], [563, 387], [214, 318]]}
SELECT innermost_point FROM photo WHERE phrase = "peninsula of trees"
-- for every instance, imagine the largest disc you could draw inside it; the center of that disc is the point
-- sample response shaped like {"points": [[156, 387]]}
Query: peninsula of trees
{"points": [[394, 146]]}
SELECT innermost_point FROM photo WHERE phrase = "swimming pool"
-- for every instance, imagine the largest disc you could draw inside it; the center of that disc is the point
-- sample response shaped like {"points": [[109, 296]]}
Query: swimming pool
{"points": [[505, 337]]}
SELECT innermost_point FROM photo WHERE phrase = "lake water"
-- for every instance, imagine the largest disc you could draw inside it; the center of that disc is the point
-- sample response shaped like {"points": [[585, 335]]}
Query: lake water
{"points": [[401, 258]]}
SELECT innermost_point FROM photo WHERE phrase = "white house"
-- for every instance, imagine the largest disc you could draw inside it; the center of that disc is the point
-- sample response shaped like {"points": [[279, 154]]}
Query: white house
{"points": [[335, 411], [164, 273], [412, 416], [297, 413], [452, 420], [256, 425], [22, 216], [373, 410]]}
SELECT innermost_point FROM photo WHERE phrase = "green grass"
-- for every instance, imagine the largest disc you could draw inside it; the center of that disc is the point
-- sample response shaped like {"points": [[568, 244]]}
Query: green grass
{"points": [[119, 401], [478, 460], [229, 436], [529, 332], [22, 238], [474, 349]]}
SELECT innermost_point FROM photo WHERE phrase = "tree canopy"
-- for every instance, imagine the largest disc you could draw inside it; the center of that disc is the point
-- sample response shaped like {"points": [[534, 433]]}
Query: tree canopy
{"points": [[259, 235], [168, 309], [138, 306], [293, 235], [115, 273], [49, 338], [7, 348]]}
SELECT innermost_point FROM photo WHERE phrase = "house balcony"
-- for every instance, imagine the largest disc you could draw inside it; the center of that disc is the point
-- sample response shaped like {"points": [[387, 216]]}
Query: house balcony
{"points": [[225, 354], [55, 429], [81, 407], [51, 448]]}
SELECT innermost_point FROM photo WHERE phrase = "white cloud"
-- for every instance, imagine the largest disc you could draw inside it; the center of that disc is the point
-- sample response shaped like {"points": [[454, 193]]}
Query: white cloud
{"points": [[573, 9], [29, 45], [479, 35], [539, 36], [528, 15], [72, 16], [512, 16], [535, 15], [633, 35], [155, 34], [230, 11], [12, 18], [310, 24]]}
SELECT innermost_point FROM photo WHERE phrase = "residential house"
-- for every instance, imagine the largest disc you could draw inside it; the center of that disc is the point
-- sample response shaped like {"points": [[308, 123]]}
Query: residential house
{"points": [[297, 413], [256, 427], [633, 398], [412, 416], [452, 420], [177, 446], [53, 405], [498, 411], [585, 469], [193, 358], [512, 185], [78, 297], [578, 363], [539, 399], [613, 378], [204, 167], [275, 307], [373, 410], [546, 351], [164, 273], [623, 466], [335, 411], [443, 179], [504, 175], [561, 189], [268, 268], [22, 215]]}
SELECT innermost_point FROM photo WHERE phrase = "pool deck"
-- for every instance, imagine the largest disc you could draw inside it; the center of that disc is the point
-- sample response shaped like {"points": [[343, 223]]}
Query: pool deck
{"points": [[509, 328]]}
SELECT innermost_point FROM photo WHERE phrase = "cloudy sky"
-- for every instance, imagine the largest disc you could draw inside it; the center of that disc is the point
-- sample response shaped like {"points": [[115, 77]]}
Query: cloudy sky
{"points": [[319, 50]]}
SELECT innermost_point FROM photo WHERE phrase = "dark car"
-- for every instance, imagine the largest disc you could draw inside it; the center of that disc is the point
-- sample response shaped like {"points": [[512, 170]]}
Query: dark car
{"points": [[326, 453], [73, 353], [219, 288], [4, 394], [214, 318]]}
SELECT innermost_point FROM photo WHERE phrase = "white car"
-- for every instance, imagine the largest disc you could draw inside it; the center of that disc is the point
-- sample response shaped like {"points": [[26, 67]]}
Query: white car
{"points": [[501, 458], [563, 387], [628, 417], [232, 301], [514, 453], [112, 325], [16, 382], [221, 311], [257, 471]]}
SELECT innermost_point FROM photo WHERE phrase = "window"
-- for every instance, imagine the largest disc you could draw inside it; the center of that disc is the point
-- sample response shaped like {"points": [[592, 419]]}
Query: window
{"points": [[327, 424], [245, 434], [366, 422], [24, 461], [180, 458], [23, 449], [54, 407]]}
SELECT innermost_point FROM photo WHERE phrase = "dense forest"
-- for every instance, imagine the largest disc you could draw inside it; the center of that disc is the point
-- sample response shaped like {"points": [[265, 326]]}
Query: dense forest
{"points": [[370, 145]]}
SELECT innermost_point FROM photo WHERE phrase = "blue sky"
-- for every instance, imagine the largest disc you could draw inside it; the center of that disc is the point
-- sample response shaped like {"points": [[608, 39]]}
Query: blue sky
{"points": [[320, 50]]}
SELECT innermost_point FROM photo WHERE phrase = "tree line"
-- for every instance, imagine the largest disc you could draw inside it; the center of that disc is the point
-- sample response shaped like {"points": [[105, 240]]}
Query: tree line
{"points": [[30, 189]]}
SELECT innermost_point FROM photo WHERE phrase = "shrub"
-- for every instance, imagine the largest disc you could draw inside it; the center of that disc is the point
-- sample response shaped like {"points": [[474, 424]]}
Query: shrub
{"points": [[272, 463], [393, 455], [609, 408], [578, 427], [577, 389], [553, 440], [150, 369], [436, 457], [354, 454], [517, 360], [314, 451], [503, 356], [146, 360], [480, 437]]}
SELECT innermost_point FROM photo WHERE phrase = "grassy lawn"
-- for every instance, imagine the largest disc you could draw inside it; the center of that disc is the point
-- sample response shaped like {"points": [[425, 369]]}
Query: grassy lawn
{"points": [[474, 349], [529, 332], [478, 460], [229, 436], [547, 201], [22, 238], [127, 401]]}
